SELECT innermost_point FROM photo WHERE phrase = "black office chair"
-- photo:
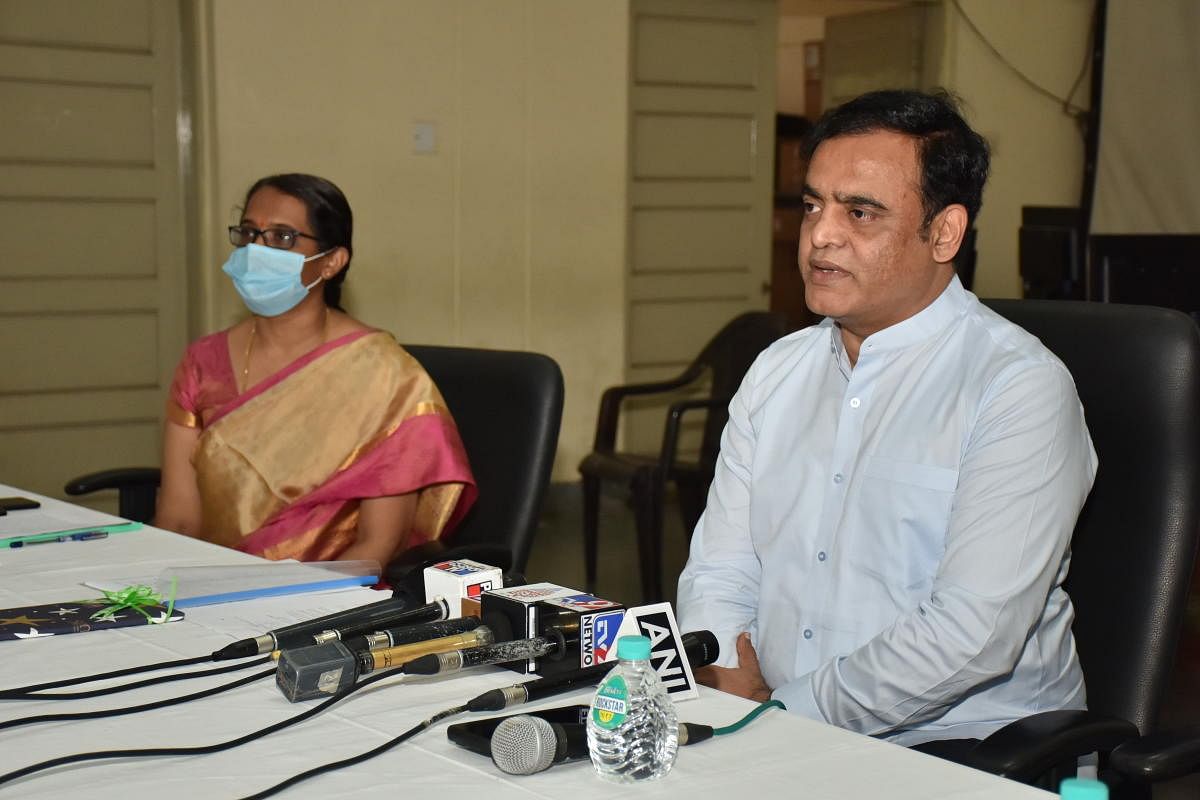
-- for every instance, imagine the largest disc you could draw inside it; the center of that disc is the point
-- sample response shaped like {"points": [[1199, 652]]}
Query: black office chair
{"points": [[1137, 370], [724, 360], [137, 489], [508, 407]]}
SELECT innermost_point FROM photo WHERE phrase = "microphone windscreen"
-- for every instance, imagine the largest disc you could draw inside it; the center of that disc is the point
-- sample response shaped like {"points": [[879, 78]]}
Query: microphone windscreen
{"points": [[701, 648], [523, 745]]}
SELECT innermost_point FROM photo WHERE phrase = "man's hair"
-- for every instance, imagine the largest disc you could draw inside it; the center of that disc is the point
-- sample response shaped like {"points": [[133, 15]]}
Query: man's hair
{"points": [[952, 158]]}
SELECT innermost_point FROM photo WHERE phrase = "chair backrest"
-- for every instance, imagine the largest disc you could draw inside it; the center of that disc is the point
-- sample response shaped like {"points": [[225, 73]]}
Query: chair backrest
{"points": [[508, 407], [726, 358], [1137, 371]]}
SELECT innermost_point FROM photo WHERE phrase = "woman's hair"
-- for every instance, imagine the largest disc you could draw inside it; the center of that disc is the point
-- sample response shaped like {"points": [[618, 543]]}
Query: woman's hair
{"points": [[329, 216]]}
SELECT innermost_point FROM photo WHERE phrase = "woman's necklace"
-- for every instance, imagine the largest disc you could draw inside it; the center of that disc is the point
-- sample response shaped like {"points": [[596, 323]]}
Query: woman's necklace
{"points": [[250, 346], [246, 362]]}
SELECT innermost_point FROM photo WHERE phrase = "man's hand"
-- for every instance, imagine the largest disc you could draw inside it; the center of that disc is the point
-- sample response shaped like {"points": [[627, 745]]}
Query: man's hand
{"points": [[745, 680]]}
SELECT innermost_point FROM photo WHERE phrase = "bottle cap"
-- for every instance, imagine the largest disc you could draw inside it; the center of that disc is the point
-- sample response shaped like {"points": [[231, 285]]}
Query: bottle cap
{"points": [[633, 648], [1082, 789]]}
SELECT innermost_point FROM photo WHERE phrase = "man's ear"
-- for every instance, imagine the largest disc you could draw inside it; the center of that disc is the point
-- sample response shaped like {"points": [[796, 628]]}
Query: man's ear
{"points": [[946, 232]]}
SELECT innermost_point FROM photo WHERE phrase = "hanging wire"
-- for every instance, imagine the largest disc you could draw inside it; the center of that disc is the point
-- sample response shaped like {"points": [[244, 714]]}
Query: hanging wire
{"points": [[1068, 107]]}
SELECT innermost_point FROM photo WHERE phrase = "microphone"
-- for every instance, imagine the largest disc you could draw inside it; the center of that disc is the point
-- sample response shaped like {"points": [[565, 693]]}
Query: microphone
{"points": [[701, 648], [372, 616], [407, 634], [436, 609], [532, 691], [589, 624], [455, 660], [524, 744], [398, 656], [326, 669]]}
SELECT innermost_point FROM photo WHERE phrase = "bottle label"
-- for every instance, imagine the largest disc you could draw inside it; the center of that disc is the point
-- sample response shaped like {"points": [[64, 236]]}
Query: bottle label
{"points": [[611, 705]]}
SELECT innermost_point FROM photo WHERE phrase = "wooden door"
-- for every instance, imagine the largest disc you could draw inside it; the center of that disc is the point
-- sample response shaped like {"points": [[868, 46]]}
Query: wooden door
{"points": [[92, 281], [702, 110]]}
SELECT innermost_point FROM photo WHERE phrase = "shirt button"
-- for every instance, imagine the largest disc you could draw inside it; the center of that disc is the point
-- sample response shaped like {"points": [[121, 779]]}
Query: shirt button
{"points": [[807, 633], [855, 402], [821, 556], [837, 478]]}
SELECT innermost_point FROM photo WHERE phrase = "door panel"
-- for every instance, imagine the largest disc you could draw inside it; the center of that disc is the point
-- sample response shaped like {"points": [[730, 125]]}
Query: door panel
{"points": [[92, 282], [702, 114]]}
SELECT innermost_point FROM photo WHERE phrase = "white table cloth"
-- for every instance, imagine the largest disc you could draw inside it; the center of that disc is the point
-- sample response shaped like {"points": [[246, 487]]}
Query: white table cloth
{"points": [[778, 754]]}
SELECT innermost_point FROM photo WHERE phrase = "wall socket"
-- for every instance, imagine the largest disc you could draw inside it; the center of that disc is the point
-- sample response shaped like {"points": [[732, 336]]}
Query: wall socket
{"points": [[424, 137]]}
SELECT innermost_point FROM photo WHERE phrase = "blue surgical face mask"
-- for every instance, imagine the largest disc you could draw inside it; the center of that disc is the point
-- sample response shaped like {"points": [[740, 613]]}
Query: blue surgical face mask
{"points": [[268, 279]]}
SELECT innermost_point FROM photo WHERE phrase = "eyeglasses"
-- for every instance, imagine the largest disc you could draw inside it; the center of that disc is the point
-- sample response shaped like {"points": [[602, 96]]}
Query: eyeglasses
{"points": [[279, 238]]}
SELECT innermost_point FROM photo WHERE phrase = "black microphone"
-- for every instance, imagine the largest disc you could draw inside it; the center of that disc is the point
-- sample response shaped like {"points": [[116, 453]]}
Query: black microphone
{"points": [[395, 617], [524, 744], [701, 648], [532, 691], [380, 614]]}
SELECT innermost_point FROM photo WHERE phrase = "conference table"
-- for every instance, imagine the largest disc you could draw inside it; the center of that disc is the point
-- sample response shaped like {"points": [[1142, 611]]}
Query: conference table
{"points": [[779, 754]]}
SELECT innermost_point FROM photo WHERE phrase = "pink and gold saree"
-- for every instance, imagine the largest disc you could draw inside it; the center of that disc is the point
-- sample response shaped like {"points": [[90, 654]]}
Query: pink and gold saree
{"points": [[283, 466]]}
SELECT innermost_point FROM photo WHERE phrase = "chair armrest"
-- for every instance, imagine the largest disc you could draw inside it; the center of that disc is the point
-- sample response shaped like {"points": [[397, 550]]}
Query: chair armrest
{"points": [[670, 443], [1159, 756], [610, 404], [113, 479], [1025, 749]]}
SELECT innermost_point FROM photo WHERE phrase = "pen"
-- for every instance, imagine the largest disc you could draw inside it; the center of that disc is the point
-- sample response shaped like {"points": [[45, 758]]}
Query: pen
{"points": [[82, 536]]}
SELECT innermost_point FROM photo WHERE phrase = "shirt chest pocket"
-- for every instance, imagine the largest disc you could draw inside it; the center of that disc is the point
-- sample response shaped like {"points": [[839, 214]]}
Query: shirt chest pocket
{"points": [[904, 511]]}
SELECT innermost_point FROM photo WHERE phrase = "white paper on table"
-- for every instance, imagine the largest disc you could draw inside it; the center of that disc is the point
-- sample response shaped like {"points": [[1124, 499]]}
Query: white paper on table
{"points": [[34, 521]]}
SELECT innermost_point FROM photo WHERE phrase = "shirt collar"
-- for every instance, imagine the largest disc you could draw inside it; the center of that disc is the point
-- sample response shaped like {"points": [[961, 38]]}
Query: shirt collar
{"points": [[951, 304]]}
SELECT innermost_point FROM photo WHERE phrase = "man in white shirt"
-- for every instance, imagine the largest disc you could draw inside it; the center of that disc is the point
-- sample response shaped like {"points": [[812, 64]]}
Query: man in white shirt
{"points": [[891, 514]]}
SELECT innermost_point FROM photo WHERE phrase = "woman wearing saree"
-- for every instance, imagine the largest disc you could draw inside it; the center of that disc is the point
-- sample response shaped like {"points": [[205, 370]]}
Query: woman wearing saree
{"points": [[300, 432]]}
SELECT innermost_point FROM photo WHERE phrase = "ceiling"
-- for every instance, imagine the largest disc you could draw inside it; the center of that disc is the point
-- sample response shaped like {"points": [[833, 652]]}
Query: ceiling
{"points": [[831, 8]]}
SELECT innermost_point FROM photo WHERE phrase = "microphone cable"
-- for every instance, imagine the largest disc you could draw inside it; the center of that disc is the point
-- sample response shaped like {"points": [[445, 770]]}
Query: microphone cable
{"points": [[123, 710], [196, 750], [21, 692], [746, 720], [492, 700], [358, 759], [34, 693], [475, 704]]}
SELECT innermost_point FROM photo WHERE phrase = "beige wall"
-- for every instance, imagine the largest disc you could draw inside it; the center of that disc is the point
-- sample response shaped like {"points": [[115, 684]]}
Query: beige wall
{"points": [[510, 235], [789, 82], [1037, 151]]}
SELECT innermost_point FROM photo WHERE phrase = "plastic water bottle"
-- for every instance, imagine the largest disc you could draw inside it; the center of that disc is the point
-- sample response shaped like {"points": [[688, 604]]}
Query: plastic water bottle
{"points": [[1082, 789], [632, 729]]}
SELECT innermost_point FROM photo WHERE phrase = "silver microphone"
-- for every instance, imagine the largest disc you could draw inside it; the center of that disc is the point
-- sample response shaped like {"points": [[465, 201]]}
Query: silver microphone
{"points": [[524, 744]]}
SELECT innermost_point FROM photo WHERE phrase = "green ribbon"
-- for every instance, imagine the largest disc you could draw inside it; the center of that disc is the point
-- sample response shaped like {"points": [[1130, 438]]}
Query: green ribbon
{"points": [[135, 598]]}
